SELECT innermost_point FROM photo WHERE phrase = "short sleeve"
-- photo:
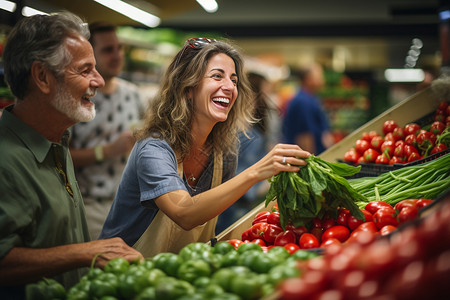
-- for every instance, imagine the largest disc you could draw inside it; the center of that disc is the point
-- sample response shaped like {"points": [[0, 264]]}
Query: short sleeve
{"points": [[156, 166]]}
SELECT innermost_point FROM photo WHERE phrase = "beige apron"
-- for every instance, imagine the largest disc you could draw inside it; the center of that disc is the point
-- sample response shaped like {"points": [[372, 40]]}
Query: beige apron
{"points": [[164, 235]]}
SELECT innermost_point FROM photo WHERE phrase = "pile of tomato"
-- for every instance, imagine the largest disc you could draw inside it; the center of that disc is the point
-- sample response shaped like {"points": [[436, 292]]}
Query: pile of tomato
{"points": [[399, 145], [411, 263], [380, 218]]}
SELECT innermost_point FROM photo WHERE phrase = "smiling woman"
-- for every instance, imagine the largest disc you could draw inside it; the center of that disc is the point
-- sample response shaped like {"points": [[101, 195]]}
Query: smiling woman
{"points": [[179, 175]]}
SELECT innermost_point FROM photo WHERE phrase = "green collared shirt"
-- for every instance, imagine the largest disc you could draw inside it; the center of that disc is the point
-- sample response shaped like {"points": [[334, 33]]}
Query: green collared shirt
{"points": [[36, 209]]}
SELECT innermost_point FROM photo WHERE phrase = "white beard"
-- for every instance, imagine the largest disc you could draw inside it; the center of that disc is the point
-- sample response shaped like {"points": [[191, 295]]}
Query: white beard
{"points": [[71, 107]]}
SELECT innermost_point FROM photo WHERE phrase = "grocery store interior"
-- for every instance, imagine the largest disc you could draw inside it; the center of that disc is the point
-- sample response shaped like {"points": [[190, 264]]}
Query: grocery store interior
{"points": [[356, 41]]}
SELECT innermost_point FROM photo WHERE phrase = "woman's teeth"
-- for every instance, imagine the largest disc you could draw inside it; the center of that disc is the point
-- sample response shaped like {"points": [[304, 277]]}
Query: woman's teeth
{"points": [[222, 101]]}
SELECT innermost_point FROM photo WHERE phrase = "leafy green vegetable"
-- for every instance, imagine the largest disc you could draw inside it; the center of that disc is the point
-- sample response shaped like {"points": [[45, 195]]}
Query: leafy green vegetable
{"points": [[318, 188]]}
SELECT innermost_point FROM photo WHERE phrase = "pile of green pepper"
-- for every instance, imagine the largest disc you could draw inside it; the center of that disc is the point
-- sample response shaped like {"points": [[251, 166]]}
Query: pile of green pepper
{"points": [[198, 271]]}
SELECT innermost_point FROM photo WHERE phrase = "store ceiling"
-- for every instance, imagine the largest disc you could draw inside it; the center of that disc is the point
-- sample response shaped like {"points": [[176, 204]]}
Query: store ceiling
{"points": [[267, 17], [375, 33]]}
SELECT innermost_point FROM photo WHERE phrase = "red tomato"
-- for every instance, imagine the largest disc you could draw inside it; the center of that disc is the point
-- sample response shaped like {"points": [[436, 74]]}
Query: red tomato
{"points": [[411, 140], [438, 148], [338, 232], [411, 128], [437, 127], [404, 203], [271, 232], [373, 206], [317, 222], [399, 150], [353, 222], [382, 159], [291, 247], [421, 203], [329, 242], [259, 242], [327, 223], [385, 216], [389, 137], [260, 217], [299, 230], [444, 106], [398, 133], [376, 142], [387, 148], [343, 215], [370, 155], [367, 226], [363, 237], [426, 138], [235, 243], [389, 126], [284, 238], [395, 160], [317, 232], [439, 117], [351, 156], [246, 235], [407, 214], [308, 241], [385, 230], [409, 149], [257, 231], [361, 146], [413, 157], [274, 218]]}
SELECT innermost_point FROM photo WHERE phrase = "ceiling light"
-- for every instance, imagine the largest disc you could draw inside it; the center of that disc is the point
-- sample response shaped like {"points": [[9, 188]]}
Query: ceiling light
{"points": [[404, 75], [29, 11], [7, 5], [210, 6], [131, 12]]}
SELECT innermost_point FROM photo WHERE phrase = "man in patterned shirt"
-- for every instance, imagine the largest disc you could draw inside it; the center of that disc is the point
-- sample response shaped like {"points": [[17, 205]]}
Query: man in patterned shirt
{"points": [[100, 148]]}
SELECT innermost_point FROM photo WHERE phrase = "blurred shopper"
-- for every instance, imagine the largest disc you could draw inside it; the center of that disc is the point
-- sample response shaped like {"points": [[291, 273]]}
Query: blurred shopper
{"points": [[179, 176], [100, 148], [50, 68], [254, 145], [305, 122]]}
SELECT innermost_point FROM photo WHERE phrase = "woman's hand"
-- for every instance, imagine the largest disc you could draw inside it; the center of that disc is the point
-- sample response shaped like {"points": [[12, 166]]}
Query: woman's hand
{"points": [[282, 157]]}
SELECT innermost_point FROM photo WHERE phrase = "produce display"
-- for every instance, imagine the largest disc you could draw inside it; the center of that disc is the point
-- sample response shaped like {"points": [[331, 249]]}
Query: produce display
{"points": [[401, 145], [380, 218], [410, 263], [328, 235], [198, 271], [426, 180]]}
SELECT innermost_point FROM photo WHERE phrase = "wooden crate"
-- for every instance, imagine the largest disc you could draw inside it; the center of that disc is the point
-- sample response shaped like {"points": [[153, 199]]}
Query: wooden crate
{"points": [[407, 111]]}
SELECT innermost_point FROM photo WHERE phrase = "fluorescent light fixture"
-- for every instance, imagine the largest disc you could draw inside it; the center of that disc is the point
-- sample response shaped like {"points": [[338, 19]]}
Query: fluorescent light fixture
{"points": [[131, 12], [210, 6], [29, 11], [444, 15], [404, 75], [7, 5]]}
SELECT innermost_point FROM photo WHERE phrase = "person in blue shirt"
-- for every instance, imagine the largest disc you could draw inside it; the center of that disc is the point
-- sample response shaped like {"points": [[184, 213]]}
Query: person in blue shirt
{"points": [[180, 173], [305, 123]]}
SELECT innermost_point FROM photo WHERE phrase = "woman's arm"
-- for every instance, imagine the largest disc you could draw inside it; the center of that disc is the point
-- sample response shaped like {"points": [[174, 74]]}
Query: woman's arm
{"points": [[25, 265], [189, 212]]}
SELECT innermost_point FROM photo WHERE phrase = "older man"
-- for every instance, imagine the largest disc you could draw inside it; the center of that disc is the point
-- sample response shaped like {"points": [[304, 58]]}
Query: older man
{"points": [[50, 68]]}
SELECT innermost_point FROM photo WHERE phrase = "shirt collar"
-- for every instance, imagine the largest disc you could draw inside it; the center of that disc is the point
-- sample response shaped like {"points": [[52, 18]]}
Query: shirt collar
{"points": [[33, 140]]}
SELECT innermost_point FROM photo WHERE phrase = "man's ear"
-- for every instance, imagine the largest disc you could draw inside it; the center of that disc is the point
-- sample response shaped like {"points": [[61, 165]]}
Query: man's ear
{"points": [[42, 77]]}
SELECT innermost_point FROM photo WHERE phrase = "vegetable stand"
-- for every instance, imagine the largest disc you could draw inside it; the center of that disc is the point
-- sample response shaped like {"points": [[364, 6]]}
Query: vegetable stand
{"points": [[410, 109]]}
